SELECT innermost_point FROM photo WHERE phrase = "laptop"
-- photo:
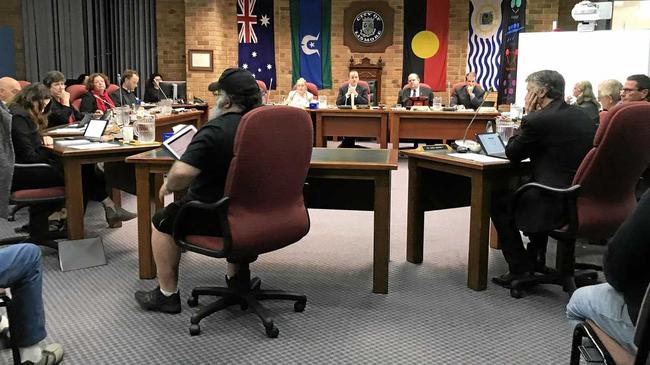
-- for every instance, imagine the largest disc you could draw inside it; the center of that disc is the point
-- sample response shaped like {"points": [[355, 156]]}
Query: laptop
{"points": [[492, 144], [177, 144], [93, 133]]}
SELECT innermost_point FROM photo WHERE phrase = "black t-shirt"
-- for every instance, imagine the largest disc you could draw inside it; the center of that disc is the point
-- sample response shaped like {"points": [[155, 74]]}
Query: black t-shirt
{"points": [[211, 151]]}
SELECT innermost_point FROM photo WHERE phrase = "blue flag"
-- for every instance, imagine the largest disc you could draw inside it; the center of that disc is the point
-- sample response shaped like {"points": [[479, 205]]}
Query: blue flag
{"points": [[256, 44], [310, 30]]}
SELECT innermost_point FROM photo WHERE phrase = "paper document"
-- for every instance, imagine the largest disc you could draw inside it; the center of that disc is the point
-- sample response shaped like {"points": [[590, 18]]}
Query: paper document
{"points": [[477, 157], [92, 146], [67, 130]]}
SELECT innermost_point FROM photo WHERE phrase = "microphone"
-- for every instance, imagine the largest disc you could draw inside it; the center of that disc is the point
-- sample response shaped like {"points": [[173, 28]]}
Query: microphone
{"points": [[268, 93], [463, 147], [104, 101], [161, 89], [119, 82]]}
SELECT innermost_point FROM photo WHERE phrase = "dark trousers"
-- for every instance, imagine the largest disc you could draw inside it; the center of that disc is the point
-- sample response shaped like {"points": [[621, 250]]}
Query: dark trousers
{"points": [[20, 270], [519, 258]]}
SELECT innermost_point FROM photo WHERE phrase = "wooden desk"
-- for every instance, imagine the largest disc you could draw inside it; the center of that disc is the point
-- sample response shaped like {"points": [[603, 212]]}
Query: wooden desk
{"points": [[484, 178], [200, 107], [405, 124], [351, 123], [164, 124], [72, 159], [359, 168]]}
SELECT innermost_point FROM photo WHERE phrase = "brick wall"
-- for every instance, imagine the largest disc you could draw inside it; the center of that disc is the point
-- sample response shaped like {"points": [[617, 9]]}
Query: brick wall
{"points": [[12, 17], [209, 24], [170, 28]]}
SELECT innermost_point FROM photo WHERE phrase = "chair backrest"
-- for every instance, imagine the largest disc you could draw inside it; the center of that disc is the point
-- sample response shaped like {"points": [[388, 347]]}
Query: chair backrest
{"points": [[363, 84], [264, 90], [312, 88], [611, 169], [458, 85], [421, 84], [24, 84], [272, 153], [112, 87], [76, 93]]}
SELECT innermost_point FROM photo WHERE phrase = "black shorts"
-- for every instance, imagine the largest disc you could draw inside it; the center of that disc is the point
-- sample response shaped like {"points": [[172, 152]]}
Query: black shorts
{"points": [[200, 223]]}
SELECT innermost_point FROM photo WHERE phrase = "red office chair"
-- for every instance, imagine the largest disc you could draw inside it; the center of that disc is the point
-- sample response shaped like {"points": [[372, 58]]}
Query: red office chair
{"points": [[112, 87], [264, 90], [609, 351], [262, 210], [76, 93], [603, 191], [364, 85], [422, 84]]}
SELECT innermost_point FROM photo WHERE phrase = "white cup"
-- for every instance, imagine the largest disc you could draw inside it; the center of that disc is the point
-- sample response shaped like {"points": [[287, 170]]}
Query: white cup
{"points": [[127, 134]]}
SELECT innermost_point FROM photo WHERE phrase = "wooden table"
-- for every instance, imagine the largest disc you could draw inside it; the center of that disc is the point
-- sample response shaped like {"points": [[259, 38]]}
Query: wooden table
{"points": [[164, 124], [406, 124], [354, 169], [484, 178], [72, 159], [351, 123]]}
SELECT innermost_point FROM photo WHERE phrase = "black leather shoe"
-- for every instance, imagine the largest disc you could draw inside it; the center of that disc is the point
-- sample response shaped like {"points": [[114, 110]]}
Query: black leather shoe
{"points": [[156, 301], [506, 279]]}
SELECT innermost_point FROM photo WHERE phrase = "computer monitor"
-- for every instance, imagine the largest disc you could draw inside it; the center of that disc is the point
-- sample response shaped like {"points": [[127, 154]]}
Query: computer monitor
{"points": [[174, 89]]}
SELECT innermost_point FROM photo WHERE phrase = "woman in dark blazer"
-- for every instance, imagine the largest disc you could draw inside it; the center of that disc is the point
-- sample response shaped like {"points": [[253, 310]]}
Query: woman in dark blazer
{"points": [[59, 111], [152, 91], [96, 100]]}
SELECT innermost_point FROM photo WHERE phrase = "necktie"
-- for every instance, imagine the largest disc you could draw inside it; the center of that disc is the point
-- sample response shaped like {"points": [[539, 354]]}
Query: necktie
{"points": [[412, 92]]}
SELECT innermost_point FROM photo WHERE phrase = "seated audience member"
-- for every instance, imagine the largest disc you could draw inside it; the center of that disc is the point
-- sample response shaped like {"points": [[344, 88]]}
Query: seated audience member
{"points": [[469, 95], [636, 88], [152, 91], [352, 90], [556, 137], [80, 80], [609, 93], [8, 89], [21, 271], [96, 100], [125, 95], [28, 122], [348, 92], [59, 111], [585, 99], [614, 306], [202, 171], [414, 89], [300, 97]]}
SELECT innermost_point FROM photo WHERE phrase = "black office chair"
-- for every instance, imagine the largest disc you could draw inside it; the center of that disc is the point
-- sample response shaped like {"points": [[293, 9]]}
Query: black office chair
{"points": [[5, 340], [604, 350]]}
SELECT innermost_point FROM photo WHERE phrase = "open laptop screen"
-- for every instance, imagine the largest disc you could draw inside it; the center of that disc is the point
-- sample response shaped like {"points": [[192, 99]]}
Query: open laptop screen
{"points": [[95, 128], [491, 143]]}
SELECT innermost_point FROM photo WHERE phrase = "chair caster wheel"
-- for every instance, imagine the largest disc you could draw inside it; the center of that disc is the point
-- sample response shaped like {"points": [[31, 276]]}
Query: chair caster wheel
{"points": [[195, 329], [516, 293], [193, 301], [299, 306], [272, 331]]}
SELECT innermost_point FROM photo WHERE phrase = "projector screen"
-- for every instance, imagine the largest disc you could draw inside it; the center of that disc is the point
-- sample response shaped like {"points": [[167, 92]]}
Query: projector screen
{"points": [[593, 56]]}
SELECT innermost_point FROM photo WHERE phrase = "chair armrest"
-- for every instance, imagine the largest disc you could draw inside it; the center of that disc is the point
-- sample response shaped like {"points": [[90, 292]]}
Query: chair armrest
{"points": [[219, 209], [569, 195], [32, 168]]}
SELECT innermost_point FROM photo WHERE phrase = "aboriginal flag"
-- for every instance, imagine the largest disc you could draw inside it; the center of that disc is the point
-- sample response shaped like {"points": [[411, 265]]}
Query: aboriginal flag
{"points": [[426, 29]]}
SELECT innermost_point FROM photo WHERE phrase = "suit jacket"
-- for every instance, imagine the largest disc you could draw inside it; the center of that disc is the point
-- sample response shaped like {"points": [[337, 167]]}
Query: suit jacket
{"points": [[360, 99], [556, 139], [59, 114], [405, 94], [460, 96], [6, 159], [127, 97]]}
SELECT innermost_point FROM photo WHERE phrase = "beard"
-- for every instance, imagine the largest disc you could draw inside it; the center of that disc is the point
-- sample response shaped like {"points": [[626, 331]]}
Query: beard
{"points": [[218, 108]]}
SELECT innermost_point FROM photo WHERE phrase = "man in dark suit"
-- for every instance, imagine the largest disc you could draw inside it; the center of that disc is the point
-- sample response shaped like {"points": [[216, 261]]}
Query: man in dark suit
{"points": [[555, 136], [469, 95], [348, 92], [125, 95], [414, 89], [352, 90]]}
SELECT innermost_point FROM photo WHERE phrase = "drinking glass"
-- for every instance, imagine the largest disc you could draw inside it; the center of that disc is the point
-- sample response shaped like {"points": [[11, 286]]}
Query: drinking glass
{"points": [[165, 106], [506, 129], [436, 103], [145, 129], [322, 101]]}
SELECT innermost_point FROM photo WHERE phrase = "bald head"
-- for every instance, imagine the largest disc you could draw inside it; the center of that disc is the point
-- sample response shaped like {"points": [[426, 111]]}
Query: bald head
{"points": [[8, 88]]}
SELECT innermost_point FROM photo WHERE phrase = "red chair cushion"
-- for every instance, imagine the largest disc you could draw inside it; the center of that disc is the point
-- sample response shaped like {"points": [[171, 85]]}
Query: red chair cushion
{"points": [[209, 242], [34, 194]]}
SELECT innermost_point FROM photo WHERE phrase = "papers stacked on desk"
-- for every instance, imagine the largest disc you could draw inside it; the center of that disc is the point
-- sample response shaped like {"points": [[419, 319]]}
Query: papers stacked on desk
{"points": [[67, 130], [92, 146], [477, 157]]}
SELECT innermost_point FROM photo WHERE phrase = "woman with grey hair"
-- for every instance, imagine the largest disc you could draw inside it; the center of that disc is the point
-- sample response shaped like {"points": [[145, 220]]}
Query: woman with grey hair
{"points": [[586, 100], [609, 93]]}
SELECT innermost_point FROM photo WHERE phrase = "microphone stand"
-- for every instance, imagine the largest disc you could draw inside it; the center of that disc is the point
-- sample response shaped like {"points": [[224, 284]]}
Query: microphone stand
{"points": [[463, 148], [161, 89], [119, 81]]}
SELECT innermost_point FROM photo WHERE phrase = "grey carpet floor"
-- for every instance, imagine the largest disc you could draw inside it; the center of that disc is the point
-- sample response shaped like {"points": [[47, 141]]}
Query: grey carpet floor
{"points": [[428, 317]]}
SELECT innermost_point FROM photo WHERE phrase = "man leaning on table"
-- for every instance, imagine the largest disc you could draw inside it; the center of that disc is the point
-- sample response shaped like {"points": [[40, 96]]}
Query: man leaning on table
{"points": [[556, 137], [202, 171]]}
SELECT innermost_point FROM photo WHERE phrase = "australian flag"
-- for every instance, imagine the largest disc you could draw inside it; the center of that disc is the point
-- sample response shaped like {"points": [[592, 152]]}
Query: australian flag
{"points": [[256, 44]]}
